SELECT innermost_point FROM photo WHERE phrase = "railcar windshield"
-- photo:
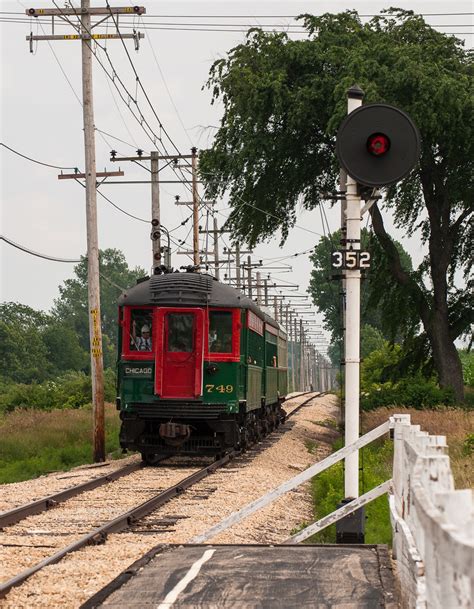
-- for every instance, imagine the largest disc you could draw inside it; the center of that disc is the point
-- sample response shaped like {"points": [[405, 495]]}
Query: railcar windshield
{"points": [[180, 332], [140, 330], [220, 332]]}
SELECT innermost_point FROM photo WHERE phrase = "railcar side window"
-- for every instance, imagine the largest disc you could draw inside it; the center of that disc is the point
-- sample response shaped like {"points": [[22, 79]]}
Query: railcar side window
{"points": [[140, 330], [180, 332], [220, 332]]}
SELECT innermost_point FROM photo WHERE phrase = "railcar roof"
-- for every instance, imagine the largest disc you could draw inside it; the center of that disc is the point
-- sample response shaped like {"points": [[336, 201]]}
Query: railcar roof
{"points": [[189, 289]]}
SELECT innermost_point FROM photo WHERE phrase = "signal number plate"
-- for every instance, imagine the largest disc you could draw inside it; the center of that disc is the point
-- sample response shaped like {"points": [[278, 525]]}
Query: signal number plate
{"points": [[350, 259]]}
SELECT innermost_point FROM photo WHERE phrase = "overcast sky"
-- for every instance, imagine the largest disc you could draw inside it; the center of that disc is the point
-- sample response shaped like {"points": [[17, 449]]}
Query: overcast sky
{"points": [[41, 117]]}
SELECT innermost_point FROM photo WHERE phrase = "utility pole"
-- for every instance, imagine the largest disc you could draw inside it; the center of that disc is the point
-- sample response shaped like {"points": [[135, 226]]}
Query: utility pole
{"points": [[292, 341], [215, 231], [216, 248], [154, 157], [195, 207], [155, 206], [249, 276], [237, 266], [301, 356], [95, 331], [259, 289]]}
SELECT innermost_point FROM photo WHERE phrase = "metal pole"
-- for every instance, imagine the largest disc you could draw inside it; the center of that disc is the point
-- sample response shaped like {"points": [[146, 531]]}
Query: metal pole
{"points": [[95, 330], [352, 355], [275, 308], [155, 205], [196, 258], [265, 291], [216, 249]]}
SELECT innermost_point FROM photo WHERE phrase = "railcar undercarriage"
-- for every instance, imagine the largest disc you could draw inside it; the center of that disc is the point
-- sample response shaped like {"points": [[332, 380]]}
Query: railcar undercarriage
{"points": [[147, 431]]}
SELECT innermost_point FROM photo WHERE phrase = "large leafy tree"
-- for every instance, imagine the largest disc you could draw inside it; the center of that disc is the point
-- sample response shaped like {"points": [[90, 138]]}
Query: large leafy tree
{"points": [[283, 101], [71, 307], [384, 304], [35, 346]]}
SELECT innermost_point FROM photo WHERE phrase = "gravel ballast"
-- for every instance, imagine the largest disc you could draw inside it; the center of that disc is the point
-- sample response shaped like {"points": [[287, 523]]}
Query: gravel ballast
{"points": [[301, 442]]}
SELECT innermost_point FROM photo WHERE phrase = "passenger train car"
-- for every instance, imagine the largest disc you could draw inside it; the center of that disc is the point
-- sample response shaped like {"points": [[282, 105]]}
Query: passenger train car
{"points": [[201, 367]]}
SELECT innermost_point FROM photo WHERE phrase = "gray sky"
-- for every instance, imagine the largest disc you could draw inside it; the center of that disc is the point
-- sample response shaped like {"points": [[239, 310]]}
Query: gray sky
{"points": [[41, 117]]}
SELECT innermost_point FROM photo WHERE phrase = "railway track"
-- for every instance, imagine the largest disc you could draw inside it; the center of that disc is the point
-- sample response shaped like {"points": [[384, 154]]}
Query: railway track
{"points": [[98, 534], [17, 514]]}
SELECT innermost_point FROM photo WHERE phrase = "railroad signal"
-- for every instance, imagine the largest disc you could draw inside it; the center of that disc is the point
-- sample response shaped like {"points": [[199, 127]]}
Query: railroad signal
{"points": [[378, 144]]}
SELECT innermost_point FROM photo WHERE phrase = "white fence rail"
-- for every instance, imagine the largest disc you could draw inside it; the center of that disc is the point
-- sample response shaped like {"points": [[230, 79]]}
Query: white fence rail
{"points": [[433, 524]]}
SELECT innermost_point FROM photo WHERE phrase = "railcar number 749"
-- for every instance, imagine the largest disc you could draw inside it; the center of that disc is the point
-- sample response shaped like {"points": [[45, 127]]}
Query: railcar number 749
{"points": [[220, 388]]}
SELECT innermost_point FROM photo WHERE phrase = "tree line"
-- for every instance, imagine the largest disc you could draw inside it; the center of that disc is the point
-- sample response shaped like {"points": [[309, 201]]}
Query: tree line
{"points": [[36, 346]]}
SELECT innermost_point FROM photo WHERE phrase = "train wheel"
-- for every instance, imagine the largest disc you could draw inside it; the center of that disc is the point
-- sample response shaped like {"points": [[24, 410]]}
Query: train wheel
{"points": [[151, 458]]}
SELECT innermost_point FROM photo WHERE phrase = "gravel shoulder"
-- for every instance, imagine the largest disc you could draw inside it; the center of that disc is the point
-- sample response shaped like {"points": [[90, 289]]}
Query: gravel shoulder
{"points": [[302, 442]]}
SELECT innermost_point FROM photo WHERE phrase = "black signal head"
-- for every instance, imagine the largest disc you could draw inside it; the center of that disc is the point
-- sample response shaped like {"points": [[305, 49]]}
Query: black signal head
{"points": [[377, 144]]}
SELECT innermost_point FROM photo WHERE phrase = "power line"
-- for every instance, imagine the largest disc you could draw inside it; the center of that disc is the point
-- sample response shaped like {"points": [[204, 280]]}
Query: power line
{"points": [[37, 254], [244, 28], [35, 160], [166, 84]]}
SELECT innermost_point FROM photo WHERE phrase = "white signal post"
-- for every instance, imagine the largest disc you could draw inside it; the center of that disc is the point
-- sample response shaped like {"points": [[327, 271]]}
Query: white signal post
{"points": [[352, 323]]}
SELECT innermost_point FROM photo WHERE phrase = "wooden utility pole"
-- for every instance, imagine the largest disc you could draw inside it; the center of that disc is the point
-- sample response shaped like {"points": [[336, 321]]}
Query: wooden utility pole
{"points": [[196, 257], [95, 331], [216, 248], [237, 266], [249, 276], [301, 356], [259, 289], [215, 231], [155, 206]]}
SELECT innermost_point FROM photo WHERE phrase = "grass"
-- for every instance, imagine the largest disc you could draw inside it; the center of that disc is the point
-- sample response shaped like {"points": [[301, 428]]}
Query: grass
{"points": [[454, 423], [35, 442], [311, 446], [330, 423], [376, 460]]}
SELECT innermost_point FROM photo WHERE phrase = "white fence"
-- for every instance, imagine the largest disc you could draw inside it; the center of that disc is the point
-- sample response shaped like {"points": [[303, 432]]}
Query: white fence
{"points": [[433, 524]]}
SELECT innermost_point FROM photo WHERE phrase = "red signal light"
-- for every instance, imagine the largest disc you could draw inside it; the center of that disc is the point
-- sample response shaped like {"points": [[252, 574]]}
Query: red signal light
{"points": [[378, 144]]}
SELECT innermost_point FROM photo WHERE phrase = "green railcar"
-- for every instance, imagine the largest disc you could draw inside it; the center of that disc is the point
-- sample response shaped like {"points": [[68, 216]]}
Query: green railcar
{"points": [[201, 368]]}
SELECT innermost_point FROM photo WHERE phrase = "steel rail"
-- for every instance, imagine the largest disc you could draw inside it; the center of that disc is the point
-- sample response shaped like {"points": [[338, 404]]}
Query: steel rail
{"points": [[315, 394], [17, 514], [127, 519], [40, 505]]}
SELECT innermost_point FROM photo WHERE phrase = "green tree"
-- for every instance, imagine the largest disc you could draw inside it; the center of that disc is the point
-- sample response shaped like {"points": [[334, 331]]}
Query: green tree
{"points": [[34, 346], [63, 347], [23, 353], [283, 101], [384, 304], [71, 307]]}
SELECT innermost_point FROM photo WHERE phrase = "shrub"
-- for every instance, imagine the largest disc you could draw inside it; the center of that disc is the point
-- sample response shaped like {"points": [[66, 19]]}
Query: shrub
{"points": [[71, 390], [415, 391], [467, 361]]}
